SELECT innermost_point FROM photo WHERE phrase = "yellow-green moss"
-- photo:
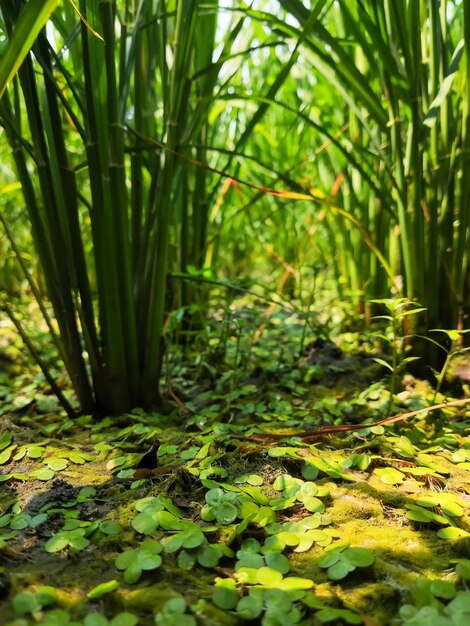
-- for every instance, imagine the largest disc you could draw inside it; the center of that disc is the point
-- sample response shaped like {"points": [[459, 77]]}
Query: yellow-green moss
{"points": [[377, 598]]}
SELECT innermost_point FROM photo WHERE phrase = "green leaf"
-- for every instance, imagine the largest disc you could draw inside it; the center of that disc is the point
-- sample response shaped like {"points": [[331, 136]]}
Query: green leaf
{"points": [[102, 589], [148, 561], [249, 545], [452, 508], [5, 520], [187, 560], [95, 619], [292, 583], [249, 559], [32, 19], [329, 558], [443, 589], [150, 546], [25, 602], [309, 471], [174, 606], [268, 577], [214, 497], [225, 597], [5, 439], [193, 538], [309, 538], [463, 569], [459, 607], [248, 509], [78, 542], [6, 454], [57, 542], [44, 474], [56, 464], [432, 114], [428, 501], [189, 453], [383, 363], [257, 495], [340, 570], [35, 452], [329, 614], [313, 505], [207, 513], [452, 533], [46, 595], [168, 521], [420, 516], [360, 557], [251, 479], [132, 573], [273, 544], [173, 544], [226, 513], [249, 607], [145, 522], [277, 561], [208, 556], [277, 599], [247, 576], [171, 619], [149, 503], [289, 538], [389, 475], [109, 527], [264, 516], [124, 619]]}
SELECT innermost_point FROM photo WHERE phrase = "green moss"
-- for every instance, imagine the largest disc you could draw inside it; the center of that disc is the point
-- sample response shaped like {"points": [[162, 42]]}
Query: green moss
{"points": [[378, 599], [353, 502], [150, 598]]}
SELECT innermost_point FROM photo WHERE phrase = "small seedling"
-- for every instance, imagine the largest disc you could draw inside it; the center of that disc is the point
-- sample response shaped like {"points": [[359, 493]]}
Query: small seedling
{"points": [[156, 513], [74, 539], [436, 602], [296, 490], [121, 619], [249, 556], [59, 617], [399, 309], [194, 548], [452, 351], [342, 560], [300, 535], [220, 506], [134, 562], [28, 602], [173, 613]]}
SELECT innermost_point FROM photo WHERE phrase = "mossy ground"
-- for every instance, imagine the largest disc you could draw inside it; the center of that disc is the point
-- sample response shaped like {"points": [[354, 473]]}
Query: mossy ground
{"points": [[210, 442]]}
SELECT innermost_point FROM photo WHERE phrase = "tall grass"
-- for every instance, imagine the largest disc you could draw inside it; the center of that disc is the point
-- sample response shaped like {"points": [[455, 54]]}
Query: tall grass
{"points": [[402, 70]]}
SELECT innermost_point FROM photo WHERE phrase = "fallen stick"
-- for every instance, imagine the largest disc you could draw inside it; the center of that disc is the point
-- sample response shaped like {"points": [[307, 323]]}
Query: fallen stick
{"points": [[328, 430]]}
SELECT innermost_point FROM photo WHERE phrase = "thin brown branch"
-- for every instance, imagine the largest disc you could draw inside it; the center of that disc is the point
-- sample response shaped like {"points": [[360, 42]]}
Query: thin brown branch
{"points": [[329, 430]]}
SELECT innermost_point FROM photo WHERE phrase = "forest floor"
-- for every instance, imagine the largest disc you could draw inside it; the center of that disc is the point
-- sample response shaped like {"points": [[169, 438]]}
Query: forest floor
{"points": [[233, 507]]}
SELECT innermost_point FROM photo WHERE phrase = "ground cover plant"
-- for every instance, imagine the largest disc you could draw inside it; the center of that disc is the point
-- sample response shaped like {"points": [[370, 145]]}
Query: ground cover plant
{"points": [[204, 515], [234, 312]]}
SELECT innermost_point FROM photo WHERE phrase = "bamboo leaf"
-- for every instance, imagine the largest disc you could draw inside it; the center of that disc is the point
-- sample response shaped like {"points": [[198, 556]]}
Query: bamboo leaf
{"points": [[434, 108], [32, 19]]}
